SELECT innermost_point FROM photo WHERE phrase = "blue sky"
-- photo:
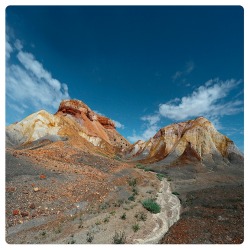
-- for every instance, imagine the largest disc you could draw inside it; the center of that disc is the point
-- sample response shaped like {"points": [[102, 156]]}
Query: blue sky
{"points": [[144, 67]]}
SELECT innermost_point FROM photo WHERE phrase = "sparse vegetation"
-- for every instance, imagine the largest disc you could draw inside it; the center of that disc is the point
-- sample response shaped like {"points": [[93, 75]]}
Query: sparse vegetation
{"points": [[119, 238], [58, 229], [131, 198], [160, 176], [43, 233], [106, 219], [135, 191], [120, 202], [105, 205], [151, 206], [98, 223], [139, 165], [132, 182], [112, 212], [135, 227], [175, 193], [141, 216], [90, 237], [123, 217], [117, 157]]}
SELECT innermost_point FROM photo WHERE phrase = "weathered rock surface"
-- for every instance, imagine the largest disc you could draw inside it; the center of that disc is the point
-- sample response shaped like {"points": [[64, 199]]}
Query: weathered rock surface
{"points": [[191, 140], [73, 121]]}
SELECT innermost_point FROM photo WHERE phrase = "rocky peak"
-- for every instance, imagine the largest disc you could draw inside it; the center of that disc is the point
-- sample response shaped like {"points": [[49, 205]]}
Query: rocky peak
{"points": [[77, 109], [195, 138]]}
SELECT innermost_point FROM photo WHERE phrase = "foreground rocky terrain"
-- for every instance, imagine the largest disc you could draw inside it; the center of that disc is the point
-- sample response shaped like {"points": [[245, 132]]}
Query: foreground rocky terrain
{"points": [[72, 178]]}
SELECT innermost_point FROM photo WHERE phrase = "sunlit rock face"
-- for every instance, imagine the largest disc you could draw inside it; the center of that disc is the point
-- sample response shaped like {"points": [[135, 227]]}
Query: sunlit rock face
{"points": [[196, 138], [73, 120]]}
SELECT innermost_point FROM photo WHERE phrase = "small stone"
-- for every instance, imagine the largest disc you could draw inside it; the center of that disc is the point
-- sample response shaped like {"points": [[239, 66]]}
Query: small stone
{"points": [[36, 189], [10, 189], [32, 206], [42, 176], [24, 214], [16, 212]]}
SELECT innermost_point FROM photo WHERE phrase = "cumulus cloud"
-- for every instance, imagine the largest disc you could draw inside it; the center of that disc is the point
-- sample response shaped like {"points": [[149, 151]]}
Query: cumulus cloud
{"points": [[152, 119], [8, 48], [207, 100], [29, 84], [189, 67], [118, 124], [210, 100], [151, 124]]}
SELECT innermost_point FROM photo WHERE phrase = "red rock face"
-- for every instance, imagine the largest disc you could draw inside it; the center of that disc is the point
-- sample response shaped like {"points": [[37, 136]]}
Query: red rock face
{"points": [[106, 122], [77, 109]]}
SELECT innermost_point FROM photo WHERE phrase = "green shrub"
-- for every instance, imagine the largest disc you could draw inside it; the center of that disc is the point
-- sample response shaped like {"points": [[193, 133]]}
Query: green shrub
{"points": [[160, 176], [135, 191], [90, 237], [141, 216], [106, 219], [132, 182], [119, 238], [151, 206], [123, 217], [175, 193], [140, 166], [131, 198], [135, 227]]}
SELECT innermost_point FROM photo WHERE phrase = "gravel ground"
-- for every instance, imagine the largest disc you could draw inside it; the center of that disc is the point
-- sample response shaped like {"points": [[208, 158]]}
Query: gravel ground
{"points": [[210, 216]]}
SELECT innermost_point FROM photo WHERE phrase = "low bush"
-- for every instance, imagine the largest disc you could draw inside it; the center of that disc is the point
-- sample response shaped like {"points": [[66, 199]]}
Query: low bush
{"points": [[119, 238], [151, 206], [141, 216], [132, 182], [90, 237], [135, 227], [175, 193], [160, 176], [123, 217]]}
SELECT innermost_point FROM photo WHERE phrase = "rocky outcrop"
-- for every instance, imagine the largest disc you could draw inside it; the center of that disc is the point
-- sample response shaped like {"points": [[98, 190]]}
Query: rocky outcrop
{"points": [[106, 122], [194, 139], [74, 119]]}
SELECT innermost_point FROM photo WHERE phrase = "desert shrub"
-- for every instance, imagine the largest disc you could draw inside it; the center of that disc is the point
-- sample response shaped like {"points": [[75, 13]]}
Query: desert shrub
{"points": [[135, 227], [151, 206], [119, 238], [90, 237], [135, 191], [141, 216], [160, 176], [175, 193], [131, 198], [123, 217], [132, 182], [105, 205], [106, 219], [112, 212], [140, 166]]}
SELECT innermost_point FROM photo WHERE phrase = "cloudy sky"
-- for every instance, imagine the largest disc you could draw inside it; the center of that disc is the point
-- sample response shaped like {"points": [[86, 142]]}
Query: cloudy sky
{"points": [[144, 67]]}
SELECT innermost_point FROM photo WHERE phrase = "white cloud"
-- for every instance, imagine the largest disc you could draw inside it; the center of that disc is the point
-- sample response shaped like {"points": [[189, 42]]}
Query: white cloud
{"points": [[30, 85], [18, 45], [8, 48], [207, 101], [152, 119], [149, 132], [189, 67], [118, 124], [151, 128]]}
